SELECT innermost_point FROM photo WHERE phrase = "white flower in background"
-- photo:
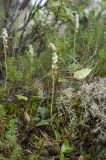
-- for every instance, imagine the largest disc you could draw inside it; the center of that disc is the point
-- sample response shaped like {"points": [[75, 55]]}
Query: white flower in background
{"points": [[77, 22], [31, 50], [4, 36], [53, 47]]}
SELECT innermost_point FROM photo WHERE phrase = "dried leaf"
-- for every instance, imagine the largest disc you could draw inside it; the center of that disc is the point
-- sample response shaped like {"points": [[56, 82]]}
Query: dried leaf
{"points": [[20, 97], [80, 158], [26, 116]]}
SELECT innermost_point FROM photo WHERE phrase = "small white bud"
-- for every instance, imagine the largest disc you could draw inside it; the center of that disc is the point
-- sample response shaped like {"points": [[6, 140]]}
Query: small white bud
{"points": [[53, 66]]}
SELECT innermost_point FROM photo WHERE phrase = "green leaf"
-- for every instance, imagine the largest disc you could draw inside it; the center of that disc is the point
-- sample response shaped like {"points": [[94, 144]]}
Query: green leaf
{"points": [[20, 97], [62, 157], [37, 119], [66, 148], [83, 73], [43, 123], [85, 155], [68, 12], [56, 4], [43, 112]]}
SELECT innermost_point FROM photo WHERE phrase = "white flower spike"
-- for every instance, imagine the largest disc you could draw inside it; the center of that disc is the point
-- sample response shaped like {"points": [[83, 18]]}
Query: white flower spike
{"points": [[5, 36], [77, 22]]}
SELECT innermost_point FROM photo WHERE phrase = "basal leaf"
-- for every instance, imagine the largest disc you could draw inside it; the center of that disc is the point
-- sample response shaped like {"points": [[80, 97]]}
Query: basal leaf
{"points": [[66, 148], [43, 123], [62, 157], [83, 73], [26, 116]]}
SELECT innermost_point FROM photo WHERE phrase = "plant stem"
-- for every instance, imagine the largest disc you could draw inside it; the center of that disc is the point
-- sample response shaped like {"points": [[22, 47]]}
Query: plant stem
{"points": [[52, 100], [5, 63], [75, 35]]}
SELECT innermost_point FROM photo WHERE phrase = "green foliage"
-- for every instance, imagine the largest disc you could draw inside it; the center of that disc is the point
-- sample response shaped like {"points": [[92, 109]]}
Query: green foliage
{"points": [[65, 149], [9, 138], [14, 75], [11, 133], [2, 112]]}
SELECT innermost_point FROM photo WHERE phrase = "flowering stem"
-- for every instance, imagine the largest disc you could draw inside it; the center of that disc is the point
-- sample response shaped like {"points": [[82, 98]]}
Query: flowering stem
{"points": [[75, 35], [5, 42], [5, 63], [53, 90], [54, 73]]}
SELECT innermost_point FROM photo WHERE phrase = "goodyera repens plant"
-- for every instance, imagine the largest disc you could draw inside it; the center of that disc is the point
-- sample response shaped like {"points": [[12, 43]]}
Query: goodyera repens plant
{"points": [[54, 56], [54, 71], [5, 44]]}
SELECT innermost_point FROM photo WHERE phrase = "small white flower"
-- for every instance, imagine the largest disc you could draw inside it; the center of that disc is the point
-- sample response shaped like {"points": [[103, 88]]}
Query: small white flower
{"points": [[53, 47], [5, 36], [53, 66], [54, 58], [31, 50]]}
